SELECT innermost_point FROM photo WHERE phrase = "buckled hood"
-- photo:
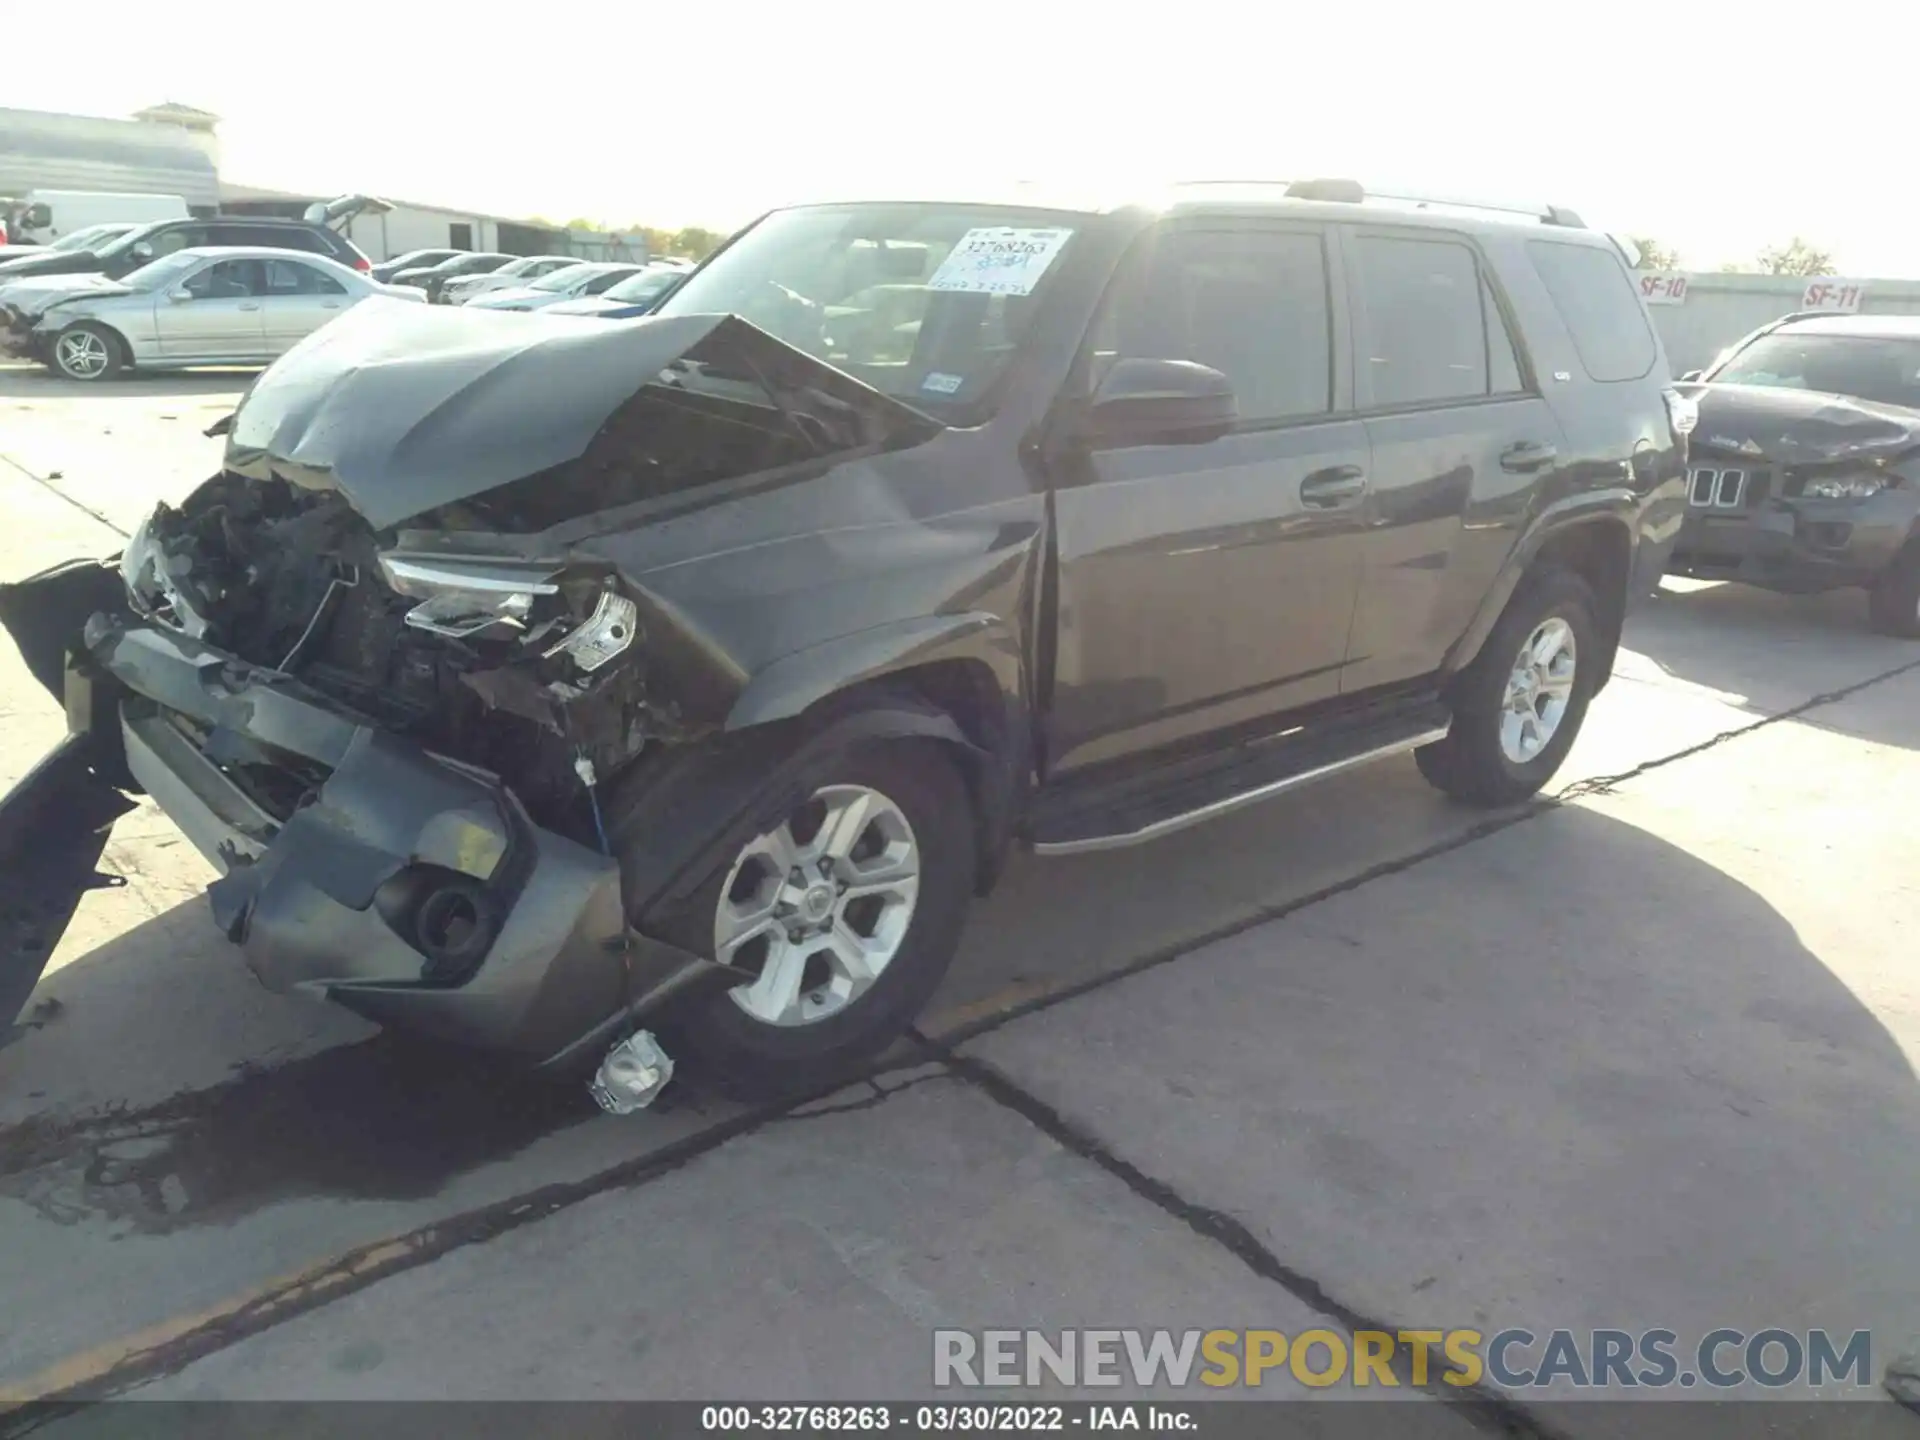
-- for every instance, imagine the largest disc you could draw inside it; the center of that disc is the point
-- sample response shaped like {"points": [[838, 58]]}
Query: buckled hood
{"points": [[1798, 427], [405, 409]]}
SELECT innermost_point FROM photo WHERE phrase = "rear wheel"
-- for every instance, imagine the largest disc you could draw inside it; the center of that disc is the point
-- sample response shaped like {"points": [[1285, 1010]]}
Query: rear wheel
{"points": [[1518, 707], [1893, 602], [846, 913], [88, 352]]}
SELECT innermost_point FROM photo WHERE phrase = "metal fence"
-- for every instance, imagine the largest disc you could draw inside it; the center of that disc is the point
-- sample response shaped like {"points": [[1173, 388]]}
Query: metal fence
{"points": [[1698, 315]]}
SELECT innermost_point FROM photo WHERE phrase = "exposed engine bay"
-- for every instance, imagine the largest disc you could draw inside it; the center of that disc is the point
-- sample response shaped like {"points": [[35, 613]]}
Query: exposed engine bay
{"points": [[507, 666]]}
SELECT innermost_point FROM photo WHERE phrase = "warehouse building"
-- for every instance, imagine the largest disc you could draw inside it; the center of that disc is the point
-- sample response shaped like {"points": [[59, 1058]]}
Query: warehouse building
{"points": [[174, 149]]}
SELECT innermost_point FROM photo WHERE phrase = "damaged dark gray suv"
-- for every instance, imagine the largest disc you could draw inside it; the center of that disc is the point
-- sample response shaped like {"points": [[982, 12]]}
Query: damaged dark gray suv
{"points": [[533, 679]]}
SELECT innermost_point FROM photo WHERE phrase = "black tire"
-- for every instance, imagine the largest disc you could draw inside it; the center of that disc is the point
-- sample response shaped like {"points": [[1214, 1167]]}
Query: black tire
{"points": [[1893, 602], [116, 348], [737, 1054], [1470, 764]]}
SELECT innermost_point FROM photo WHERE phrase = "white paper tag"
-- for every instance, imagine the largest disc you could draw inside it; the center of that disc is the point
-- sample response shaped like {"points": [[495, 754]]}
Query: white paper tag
{"points": [[941, 383], [999, 260]]}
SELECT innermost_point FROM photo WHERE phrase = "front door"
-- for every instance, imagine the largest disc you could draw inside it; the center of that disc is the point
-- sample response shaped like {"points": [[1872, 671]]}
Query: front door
{"points": [[214, 314], [299, 299], [1206, 586], [1460, 438]]}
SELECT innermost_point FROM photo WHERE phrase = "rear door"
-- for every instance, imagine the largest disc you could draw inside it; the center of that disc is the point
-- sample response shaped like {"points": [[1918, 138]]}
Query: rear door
{"points": [[1460, 437], [217, 315], [1204, 586], [299, 299]]}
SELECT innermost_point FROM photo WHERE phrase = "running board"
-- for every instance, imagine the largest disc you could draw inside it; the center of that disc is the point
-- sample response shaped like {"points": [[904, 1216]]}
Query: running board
{"points": [[1269, 771]]}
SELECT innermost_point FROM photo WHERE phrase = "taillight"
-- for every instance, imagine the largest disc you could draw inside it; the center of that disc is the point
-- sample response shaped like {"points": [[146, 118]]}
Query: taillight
{"points": [[363, 264], [1682, 413]]}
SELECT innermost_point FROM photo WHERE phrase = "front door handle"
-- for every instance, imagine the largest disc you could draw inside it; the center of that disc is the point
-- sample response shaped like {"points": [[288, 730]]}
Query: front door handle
{"points": [[247, 306], [1527, 456], [1336, 485]]}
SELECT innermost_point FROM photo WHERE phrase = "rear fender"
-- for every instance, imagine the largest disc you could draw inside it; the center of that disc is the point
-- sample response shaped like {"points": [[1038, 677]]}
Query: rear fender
{"points": [[1606, 507]]}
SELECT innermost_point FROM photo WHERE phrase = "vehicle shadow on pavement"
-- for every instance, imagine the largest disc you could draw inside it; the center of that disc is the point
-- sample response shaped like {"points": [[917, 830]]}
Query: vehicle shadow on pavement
{"points": [[1766, 652], [1569, 1076]]}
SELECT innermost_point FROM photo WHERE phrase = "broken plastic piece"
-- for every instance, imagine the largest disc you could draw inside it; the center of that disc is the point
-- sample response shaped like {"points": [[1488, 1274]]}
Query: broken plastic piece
{"points": [[607, 632], [633, 1074]]}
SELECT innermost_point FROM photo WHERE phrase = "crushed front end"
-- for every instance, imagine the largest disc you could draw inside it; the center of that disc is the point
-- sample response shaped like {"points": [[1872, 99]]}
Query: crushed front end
{"points": [[393, 784]]}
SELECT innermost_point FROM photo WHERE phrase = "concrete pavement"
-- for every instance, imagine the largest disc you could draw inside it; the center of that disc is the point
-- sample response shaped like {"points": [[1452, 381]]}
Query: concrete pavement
{"points": [[1644, 1059]]}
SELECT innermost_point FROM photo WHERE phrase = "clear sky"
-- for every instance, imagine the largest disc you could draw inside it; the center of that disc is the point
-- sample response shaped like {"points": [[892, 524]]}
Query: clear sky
{"points": [[1717, 128]]}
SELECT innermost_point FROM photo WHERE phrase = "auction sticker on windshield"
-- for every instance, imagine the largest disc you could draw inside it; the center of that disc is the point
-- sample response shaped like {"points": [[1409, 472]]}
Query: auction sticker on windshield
{"points": [[999, 260]]}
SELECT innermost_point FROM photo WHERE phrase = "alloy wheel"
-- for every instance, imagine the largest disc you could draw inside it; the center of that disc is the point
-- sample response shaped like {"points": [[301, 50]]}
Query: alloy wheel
{"points": [[81, 354], [1539, 689], [818, 907]]}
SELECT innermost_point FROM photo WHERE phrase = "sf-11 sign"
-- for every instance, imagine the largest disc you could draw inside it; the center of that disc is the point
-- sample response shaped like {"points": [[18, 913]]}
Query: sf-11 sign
{"points": [[1843, 297]]}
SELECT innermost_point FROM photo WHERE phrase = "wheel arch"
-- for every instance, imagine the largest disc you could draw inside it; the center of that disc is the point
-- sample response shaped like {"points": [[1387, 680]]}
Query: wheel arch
{"points": [[1594, 541], [967, 668], [115, 337]]}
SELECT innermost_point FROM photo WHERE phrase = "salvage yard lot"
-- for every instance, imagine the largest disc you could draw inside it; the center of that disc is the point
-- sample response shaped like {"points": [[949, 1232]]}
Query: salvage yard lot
{"points": [[1642, 1056]]}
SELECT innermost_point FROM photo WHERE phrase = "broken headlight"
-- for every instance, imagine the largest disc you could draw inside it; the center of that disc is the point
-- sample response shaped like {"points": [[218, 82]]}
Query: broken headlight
{"points": [[1842, 487], [461, 598], [151, 589], [508, 599]]}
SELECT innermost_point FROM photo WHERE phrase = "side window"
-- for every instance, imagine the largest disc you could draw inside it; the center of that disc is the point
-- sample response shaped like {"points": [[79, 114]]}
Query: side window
{"points": [[1419, 321], [168, 241], [1603, 314], [1503, 362], [604, 282], [1250, 303], [290, 277], [227, 280]]}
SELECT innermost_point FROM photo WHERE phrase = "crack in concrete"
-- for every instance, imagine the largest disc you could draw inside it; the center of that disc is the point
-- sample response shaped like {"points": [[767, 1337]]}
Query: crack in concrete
{"points": [[1485, 1407], [55, 490]]}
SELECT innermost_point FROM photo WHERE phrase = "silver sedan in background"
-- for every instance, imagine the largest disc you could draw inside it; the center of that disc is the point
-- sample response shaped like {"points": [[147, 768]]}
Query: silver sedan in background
{"points": [[212, 305], [570, 283], [513, 274]]}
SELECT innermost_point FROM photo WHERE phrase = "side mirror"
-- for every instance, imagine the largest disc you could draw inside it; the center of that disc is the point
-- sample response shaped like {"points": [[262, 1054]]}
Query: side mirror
{"points": [[38, 217], [1692, 375], [1160, 402], [179, 295], [142, 251]]}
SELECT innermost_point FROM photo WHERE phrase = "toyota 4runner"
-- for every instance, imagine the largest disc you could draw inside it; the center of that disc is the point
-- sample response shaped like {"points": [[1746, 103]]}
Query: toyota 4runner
{"points": [[532, 679]]}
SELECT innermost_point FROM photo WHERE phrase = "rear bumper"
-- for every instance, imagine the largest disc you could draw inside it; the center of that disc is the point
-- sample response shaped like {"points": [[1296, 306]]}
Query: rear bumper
{"points": [[1798, 546], [371, 892]]}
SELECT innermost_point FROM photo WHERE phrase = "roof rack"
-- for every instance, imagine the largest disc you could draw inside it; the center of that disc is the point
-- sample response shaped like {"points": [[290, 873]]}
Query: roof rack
{"points": [[1351, 192]]}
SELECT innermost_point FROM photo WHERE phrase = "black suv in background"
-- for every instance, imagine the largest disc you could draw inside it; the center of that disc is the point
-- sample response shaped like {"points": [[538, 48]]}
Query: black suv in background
{"points": [[531, 682], [1806, 465], [127, 253]]}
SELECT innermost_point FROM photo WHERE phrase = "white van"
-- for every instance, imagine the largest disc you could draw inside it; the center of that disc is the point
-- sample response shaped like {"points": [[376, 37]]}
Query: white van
{"points": [[44, 216]]}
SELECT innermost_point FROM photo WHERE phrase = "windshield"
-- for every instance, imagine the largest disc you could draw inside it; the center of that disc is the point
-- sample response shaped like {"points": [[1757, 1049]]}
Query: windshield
{"points": [[520, 266], [158, 274], [927, 303], [81, 239], [564, 278], [644, 286], [1865, 367]]}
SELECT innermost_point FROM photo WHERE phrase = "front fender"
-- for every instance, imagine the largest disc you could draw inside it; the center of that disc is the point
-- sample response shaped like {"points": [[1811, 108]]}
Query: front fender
{"points": [[795, 683]]}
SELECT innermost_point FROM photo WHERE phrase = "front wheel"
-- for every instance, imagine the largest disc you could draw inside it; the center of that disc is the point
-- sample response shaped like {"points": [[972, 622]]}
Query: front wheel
{"points": [[846, 913], [88, 352], [1518, 706]]}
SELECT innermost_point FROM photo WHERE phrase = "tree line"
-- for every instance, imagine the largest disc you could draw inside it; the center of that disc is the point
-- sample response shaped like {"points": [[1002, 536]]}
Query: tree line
{"points": [[694, 242], [1796, 257]]}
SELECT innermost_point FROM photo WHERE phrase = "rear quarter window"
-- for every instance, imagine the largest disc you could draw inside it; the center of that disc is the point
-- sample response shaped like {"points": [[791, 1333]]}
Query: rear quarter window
{"points": [[1590, 289]]}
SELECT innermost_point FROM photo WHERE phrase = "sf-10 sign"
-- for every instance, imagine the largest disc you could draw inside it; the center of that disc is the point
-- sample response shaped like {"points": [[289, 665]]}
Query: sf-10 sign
{"points": [[1663, 287], [1841, 296]]}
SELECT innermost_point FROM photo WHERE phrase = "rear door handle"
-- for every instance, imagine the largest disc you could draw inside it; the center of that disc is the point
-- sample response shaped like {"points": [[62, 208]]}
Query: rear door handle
{"points": [[1336, 485], [247, 306], [1527, 456]]}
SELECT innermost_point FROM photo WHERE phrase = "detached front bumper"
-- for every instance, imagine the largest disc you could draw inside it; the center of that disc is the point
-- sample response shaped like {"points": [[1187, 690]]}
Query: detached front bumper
{"points": [[407, 887], [1798, 546]]}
